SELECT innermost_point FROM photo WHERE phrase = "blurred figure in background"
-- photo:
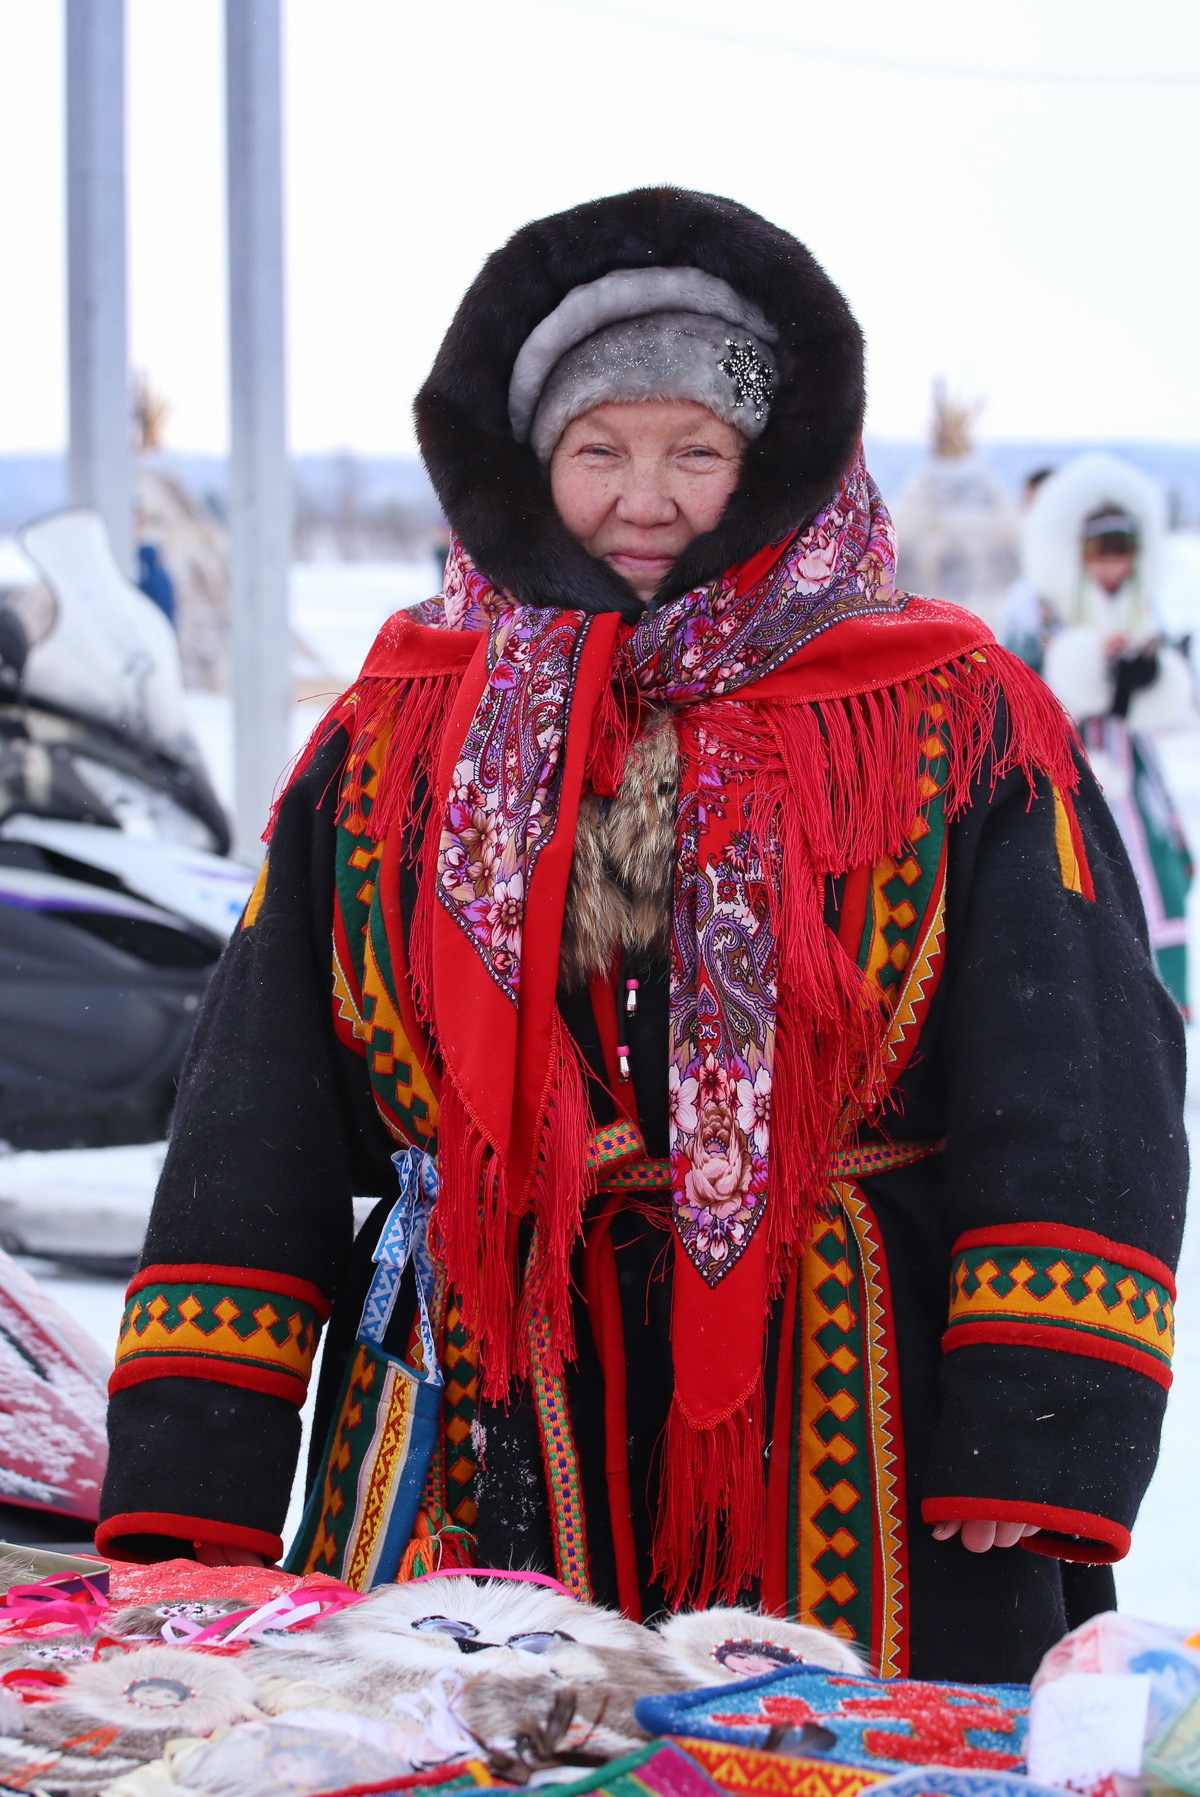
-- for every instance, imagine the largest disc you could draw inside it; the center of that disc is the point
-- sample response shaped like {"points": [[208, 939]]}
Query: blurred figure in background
{"points": [[1085, 614]]}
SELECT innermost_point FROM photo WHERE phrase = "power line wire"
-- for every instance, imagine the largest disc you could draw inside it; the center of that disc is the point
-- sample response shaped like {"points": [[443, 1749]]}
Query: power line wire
{"points": [[867, 60]]}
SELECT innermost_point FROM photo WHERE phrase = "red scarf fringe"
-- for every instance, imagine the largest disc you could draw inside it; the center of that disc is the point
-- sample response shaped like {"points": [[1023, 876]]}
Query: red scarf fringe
{"points": [[712, 1506]]}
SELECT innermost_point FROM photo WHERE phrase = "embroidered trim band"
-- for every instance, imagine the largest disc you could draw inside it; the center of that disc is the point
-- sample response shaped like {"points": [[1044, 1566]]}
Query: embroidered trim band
{"points": [[1070, 1290], [243, 1327]]}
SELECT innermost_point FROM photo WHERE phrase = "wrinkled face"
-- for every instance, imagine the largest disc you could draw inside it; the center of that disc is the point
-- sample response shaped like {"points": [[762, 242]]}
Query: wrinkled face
{"points": [[635, 482]]}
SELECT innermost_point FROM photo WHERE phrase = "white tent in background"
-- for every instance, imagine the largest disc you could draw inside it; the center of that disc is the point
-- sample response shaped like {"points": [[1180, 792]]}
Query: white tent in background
{"points": [[956, 525]]}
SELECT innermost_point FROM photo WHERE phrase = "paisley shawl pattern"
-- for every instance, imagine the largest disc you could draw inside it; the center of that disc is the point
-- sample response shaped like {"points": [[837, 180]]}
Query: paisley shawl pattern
{"points": [[503, 799]]}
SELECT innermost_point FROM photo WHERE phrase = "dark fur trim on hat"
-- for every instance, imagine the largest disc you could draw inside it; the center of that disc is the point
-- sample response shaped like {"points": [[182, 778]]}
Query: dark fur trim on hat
{"points": [[492, 490]]}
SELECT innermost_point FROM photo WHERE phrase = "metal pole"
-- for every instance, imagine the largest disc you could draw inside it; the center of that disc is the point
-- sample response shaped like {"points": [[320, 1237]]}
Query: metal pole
{"points": [[259, 480], [100, 471]]}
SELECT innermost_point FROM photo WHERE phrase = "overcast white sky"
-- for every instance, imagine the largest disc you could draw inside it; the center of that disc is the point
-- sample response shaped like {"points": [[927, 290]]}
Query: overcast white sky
{"points": [[1033, 240]]}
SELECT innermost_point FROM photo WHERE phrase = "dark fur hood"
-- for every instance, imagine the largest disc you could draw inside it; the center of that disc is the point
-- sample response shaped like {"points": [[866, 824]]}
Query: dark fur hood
{"points": [[494, 493]]}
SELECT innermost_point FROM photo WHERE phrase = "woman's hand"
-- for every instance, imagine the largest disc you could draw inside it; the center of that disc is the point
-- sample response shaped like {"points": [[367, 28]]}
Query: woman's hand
{"points": [[213, 1553], [978, 1535]]}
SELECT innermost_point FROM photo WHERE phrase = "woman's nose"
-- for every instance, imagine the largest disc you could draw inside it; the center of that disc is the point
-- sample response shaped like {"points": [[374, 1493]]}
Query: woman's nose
{"points": [[645, 498]]}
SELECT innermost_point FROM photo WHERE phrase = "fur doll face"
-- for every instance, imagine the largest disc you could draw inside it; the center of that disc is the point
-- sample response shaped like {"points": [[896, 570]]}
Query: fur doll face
{"points": [[635, 482]]}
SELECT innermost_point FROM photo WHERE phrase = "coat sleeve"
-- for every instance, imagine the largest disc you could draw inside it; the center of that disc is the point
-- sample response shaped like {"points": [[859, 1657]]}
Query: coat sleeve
{"points": [[252, 1223], [1066, 1176]]}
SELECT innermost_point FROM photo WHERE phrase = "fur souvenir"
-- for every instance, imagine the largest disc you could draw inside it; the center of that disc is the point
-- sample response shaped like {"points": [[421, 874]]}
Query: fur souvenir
{"points": [[136, 1699], [710, 1646], [402, 1635], [147, 1620], [268, 1759]]}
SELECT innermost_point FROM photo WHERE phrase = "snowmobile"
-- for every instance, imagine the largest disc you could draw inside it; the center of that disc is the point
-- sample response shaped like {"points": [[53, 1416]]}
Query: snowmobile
{"points": [[116, 889]]}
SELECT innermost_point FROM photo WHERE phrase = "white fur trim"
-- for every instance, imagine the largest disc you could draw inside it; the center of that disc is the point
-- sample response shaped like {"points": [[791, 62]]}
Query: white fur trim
{"points": [[624, 293], [1053, 526], [693, 1641], [1076, 671], [1171, 701], [666, 355]]}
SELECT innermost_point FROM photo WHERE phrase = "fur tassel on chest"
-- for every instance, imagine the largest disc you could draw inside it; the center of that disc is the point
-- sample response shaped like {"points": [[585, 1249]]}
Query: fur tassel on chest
{"points": [[619, 896]]}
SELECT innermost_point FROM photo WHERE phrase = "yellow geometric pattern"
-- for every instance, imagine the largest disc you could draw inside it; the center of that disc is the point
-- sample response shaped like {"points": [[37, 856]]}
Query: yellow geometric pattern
{"points": [[1063, 1288], [243, 1329]]}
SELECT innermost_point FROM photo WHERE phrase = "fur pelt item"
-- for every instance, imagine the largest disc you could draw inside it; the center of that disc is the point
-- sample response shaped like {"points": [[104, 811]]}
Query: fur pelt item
{"points": [[619, 896], [493, 490], [269, 1759], [395, 1642], [145, 1694], [708, 1647]]}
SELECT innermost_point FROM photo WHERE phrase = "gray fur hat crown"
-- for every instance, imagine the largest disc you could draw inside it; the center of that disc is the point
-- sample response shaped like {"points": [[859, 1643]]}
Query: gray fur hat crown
{"points": [[643, 333]]}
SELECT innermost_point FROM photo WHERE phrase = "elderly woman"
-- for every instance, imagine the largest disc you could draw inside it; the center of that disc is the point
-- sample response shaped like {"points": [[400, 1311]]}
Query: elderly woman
{"points": [[746, 980]]}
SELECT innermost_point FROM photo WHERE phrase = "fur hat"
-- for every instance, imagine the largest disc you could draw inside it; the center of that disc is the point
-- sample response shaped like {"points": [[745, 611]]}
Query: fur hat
{"points": [[492, 487], [643, 333]]}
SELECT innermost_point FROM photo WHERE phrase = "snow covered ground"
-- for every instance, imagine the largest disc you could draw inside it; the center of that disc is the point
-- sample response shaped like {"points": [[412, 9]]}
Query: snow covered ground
{"points": [[337, 609]]}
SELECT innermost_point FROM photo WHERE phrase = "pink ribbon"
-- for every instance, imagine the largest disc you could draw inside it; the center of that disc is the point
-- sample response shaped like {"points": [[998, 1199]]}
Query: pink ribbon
{"points": [[493, 1572], [43, 1609], [304, 1603]]}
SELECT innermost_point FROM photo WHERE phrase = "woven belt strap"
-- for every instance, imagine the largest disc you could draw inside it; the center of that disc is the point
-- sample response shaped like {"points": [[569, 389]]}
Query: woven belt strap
{"points": [[617, 1156]]}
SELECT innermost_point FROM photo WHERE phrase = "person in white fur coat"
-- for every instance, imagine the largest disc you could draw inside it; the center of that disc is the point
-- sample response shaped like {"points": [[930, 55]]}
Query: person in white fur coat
{"points": [[1085, 614]]}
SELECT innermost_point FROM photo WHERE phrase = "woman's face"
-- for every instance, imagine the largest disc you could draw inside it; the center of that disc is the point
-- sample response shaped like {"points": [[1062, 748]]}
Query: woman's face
{"points": [[1109, 569], [636, 481]]}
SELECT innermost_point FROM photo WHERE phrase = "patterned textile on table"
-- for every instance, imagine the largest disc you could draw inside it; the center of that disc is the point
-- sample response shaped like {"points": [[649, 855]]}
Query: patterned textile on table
{"points": [[751, 1772], [886, 1726]]}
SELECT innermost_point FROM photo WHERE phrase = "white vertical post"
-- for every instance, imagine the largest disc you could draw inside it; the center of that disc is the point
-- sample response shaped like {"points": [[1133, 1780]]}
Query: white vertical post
{"points": [[259, 481], [100, 471]]}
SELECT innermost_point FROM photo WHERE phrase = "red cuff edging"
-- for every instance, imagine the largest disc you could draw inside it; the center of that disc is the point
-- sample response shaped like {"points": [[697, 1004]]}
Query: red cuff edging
{"points": [[189, 1366], [1057, 1338], [1062, 1534], [257, 1278], [186, 1528], [1084, 1241]]}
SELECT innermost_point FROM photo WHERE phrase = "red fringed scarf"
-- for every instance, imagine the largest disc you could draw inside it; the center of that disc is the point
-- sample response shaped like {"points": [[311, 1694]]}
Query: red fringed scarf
{"points": [[798, 683]]}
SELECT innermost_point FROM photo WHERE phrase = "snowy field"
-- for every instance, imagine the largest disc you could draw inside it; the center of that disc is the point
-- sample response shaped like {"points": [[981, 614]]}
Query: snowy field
{"points": [[49, 1197]]}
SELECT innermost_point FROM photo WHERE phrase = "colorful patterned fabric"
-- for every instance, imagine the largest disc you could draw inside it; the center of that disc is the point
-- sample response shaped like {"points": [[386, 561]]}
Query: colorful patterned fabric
{"points": [[360, 1515], [660, 1770], [364, 1542], [750, 1772], [883, 1726], [563, 1482], [836, 1503], [237, 1325], [1065, 1289], [946, 1781], [371, 1012], [460, 1363]]}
